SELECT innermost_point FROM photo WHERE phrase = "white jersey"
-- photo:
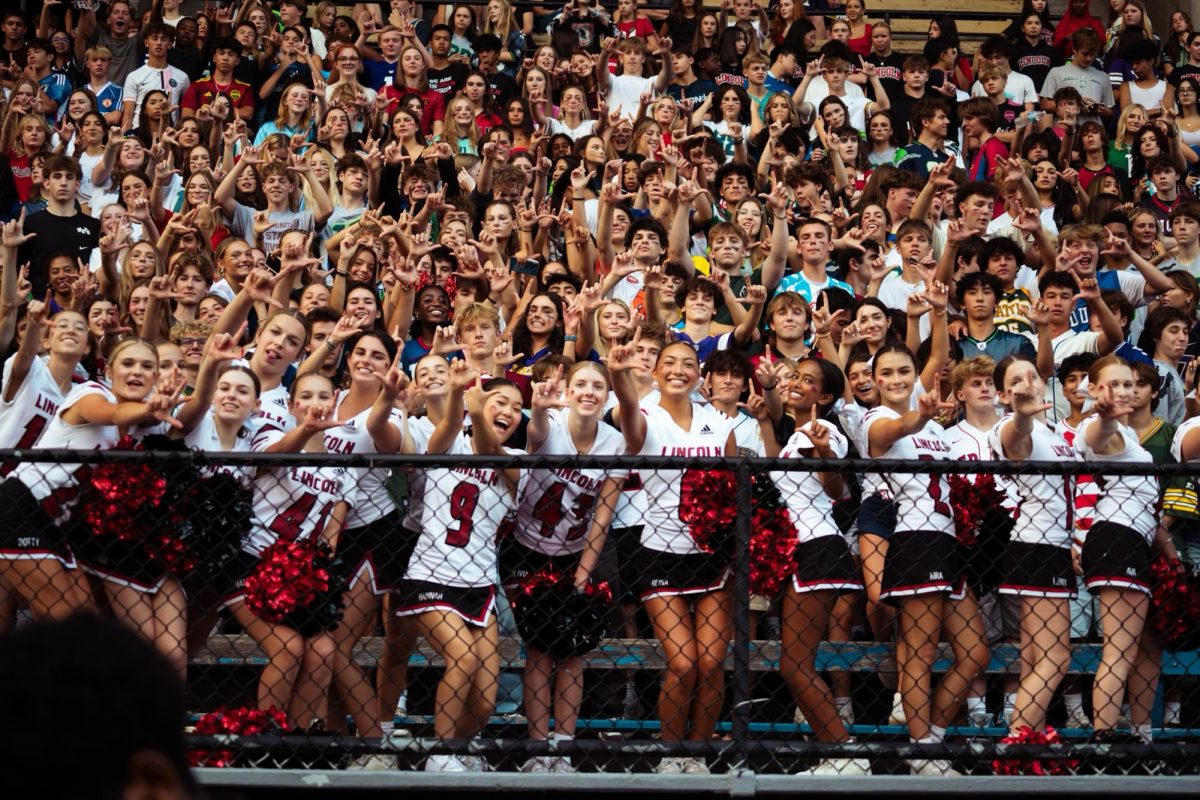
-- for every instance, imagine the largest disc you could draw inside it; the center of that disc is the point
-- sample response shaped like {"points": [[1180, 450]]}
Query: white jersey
{"points": [[1180, 433], [33, 405], [1045, 503], [55, 486], [555, 506], [664, 531], [631, 502], [273, 409], [352, 436], [1129, 500], [419, 430], [968, 443], [463, 510], [294, 503], [748, 436], [922, 501], [206, 439], [810, 507]]}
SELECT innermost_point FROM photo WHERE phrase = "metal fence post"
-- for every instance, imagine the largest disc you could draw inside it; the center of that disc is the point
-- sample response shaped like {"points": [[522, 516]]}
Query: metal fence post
{"points": [[741, 613]]}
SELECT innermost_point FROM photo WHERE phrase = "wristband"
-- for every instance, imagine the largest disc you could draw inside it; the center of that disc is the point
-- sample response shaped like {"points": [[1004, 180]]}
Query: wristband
{"points": [[331, 344], [340, 273], [570, 337]]}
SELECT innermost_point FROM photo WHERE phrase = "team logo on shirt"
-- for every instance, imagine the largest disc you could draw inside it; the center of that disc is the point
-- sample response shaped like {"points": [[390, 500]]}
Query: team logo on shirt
{"points": [[706, 429]]}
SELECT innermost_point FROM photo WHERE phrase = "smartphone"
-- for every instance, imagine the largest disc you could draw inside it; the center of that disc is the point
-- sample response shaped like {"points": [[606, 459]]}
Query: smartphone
{"points": [[529, 266]]}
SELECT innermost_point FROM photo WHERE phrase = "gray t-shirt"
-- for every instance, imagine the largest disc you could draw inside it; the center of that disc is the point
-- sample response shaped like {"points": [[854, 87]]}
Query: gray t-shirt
{"points": [[127, 54], [242, 224]]}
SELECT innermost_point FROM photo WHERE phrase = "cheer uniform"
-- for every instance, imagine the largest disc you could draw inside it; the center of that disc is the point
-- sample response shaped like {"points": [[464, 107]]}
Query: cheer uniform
{"points": [[622, 546], [555, 506], [823, 559], [877, 510], [369, 543], [273, 409], [672, 563], [1037, 561], [290, 504], [33, 405], [453, 566], [56, 487], [922, 555], [204, 437], [1116, 551], [419, 431]]}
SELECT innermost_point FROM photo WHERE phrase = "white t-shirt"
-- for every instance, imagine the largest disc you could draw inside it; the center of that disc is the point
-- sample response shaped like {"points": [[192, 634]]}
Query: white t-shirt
{"points": [[1019, 89], [625, 92], [146, 79]]}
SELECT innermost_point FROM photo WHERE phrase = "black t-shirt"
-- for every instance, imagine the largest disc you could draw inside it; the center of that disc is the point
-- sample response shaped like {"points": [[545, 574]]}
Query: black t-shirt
{"points": [[1035, 61], [503, 88], [890, 72], [1180, 73], [447, 80], [589, 30], [77, 235], [190, 61]]}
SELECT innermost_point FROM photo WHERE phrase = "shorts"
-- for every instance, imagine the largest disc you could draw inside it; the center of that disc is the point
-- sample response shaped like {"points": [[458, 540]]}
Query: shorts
{"points": [[474, 604], [1037, 570], [122, 562], [824, 564], [380, 549], [230, 582], [517, 561], [877, 516], [922, 562], [1001, 617], [618, 560], [672, 575], [1117, 557], [28, 534]]}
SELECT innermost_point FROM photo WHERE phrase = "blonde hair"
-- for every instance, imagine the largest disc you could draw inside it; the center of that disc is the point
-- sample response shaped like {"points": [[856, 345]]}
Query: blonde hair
{"points": [[504, 26], [452, 132], [281, 114], [1121, 131], [977, 367], [599, 343], [477, 312]]}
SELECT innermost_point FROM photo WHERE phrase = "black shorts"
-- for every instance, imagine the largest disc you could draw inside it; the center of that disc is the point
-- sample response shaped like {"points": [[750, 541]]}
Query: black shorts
{"points": [[618, 562], [877, 516], [668, 574], [517, 561], [1117, 557], [1037, 570], [922, 562], [230, 582], [28, 534], [380, 549], [826, 564], [474, 604], [122, 562]]}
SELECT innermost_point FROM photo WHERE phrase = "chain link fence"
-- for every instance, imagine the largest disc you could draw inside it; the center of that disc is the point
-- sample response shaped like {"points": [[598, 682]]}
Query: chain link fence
{"points": [[468, 613]]}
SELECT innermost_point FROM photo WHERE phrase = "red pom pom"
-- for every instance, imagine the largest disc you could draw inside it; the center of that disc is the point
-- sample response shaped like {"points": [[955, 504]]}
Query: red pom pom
{"points": [[707, 505], [971, 502], [772, 551], [1026, 735], [287, 578], [1175, 604], [234, 722], [115, 496]]}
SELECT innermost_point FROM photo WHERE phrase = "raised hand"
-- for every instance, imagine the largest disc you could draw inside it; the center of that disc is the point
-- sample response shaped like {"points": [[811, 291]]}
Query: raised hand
{"points": [[818, 434], [13, 232], [502, 355], [548, 394], [621, 356], [462, 376], [319, 418]]}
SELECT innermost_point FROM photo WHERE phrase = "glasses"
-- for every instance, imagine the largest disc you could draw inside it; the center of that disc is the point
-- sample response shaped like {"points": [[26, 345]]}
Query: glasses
{"points": [[350, 60], [189, 343]]}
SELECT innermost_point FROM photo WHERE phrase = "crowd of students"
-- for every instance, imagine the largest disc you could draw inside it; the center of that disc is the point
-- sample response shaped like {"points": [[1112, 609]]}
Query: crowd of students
{"points": [[686, 232]]}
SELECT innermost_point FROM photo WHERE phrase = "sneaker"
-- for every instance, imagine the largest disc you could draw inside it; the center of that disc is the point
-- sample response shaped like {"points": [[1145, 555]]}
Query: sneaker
{"points": [[840, 766], [372, 762], [979, 719], [1078, 718], [561, 765], [538, 764], [897, 716], [1171, 716], [670, 766], [631, 708], [445, 764], [402, 704], [799, 717], [695, 766], [476, 763], [932, 767], [846, 712]]}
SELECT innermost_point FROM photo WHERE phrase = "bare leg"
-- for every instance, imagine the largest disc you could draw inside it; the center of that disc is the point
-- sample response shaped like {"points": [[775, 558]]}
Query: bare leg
{"points": [[963, 626], [714, 629], [285, 651], [1045, 658], [672, 621], [804, 618], [920, 621], [539, 668], [568, 695], [310, 699], [362, 702], [50, 589], [1122, 616], [400, 640], [454, 642]]}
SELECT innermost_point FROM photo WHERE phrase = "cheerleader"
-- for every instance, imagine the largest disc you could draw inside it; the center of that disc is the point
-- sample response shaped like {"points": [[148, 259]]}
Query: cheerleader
{"points": [[372, 544], [450, 586], [94, 416], [431, 386], [1114, 557], [34, 568], [825, 566], [294, 503], [683, 588], [1037, 563], [562, 518], [921, 569]]}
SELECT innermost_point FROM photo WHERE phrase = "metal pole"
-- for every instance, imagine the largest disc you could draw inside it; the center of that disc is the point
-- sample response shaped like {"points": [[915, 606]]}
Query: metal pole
{"points": [[741, 612]]}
